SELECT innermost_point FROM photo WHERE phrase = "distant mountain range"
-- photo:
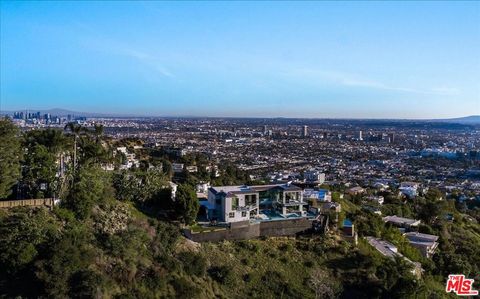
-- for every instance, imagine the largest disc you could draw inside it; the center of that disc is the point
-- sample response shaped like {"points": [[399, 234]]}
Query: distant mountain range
{"points": [[467, 120]]}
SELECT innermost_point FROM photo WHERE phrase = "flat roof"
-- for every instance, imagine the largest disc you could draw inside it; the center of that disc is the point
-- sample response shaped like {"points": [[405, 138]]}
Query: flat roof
{"points": [[419, 237], [239, 189], [385, 248], [397, 219]]}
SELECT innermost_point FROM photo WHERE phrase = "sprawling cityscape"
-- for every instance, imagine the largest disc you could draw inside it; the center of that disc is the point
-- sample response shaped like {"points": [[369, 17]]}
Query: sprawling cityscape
{"points": [[239, 149], [353, 152]]}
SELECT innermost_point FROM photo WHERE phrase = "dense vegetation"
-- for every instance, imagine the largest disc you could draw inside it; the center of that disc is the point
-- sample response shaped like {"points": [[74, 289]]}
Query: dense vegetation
{"points": [[117, 234]]}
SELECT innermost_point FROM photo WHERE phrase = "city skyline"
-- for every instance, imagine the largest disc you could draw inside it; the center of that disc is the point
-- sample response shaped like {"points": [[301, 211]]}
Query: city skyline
{"points": [[312, 60]]}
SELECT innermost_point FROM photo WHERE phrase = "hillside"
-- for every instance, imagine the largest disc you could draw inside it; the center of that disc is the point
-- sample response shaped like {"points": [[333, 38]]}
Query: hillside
{"points": [[52, 254]]}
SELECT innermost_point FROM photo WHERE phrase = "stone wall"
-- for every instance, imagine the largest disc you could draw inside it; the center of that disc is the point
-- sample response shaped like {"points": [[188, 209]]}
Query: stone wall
{"points": [[247, 230]]}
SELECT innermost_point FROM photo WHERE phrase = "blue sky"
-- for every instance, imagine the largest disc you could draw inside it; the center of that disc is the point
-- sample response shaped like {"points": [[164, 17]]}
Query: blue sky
{"points": [[262, 59]]}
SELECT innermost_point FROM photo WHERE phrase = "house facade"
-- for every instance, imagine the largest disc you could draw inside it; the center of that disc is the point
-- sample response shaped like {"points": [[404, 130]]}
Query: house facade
{"points": [[427, 244], [241, 203]]}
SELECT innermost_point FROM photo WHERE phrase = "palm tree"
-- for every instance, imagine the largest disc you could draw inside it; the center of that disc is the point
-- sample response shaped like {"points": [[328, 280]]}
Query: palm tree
{"points": [[98, 131], [75, 129]]}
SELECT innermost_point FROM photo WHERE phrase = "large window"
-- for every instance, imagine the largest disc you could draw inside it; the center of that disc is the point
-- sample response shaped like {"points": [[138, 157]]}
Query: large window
{"points": [[292, 196], [271, 195], [234, 203], [251, 199], [289, 197]]}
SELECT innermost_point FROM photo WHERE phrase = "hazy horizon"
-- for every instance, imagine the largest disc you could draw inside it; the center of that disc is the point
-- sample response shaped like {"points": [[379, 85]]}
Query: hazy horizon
{"points": [[106, 114], [384, 60]]}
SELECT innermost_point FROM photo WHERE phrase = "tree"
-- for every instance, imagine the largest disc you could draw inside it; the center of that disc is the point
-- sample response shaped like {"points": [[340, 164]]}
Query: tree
{"points": [[75, 130], [39, 168], [98, 132], [67, 256], [434, 194], [91, 186], [10, 155], [431, 209], [126, 185], [53, 139], [186, 203]]}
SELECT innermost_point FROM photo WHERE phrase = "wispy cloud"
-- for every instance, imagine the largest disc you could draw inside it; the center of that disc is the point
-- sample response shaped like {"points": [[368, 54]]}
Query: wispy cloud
{"points": [[149, 60], [353, 80]]}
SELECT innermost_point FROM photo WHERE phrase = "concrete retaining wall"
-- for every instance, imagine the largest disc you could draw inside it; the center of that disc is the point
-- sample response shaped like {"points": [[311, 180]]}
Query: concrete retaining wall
{"points": [[247, 230], [284, 227]]}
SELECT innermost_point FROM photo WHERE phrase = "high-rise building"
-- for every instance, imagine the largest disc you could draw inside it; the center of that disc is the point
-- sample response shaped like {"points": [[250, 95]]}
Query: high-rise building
{"points": [[391, 137], [265, 130], [359, 135], [305, 131]]}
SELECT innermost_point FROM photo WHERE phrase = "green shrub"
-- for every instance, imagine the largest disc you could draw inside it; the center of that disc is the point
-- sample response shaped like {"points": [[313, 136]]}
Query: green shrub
{"points": [[193, 264]]}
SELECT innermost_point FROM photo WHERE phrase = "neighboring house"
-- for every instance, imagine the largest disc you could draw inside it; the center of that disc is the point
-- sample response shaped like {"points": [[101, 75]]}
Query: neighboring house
{"points": [[213, 169], [122, 149], [331, 207], [192, 168], [427, 244], [355, 190], [241, 203], [409, 189], [130, 158], [108, 167], [348, 228], [376, 199], [177, 167], [202, 187], [380, 186], [389, 250], [401, 222], [349, 233], [321, 195], [173, 186], [314, 176]]}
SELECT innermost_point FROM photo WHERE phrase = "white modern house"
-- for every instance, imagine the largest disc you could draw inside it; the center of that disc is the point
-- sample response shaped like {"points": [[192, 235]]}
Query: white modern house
{"points": [[314, 176], [321, 195], [409, 189], [241, 203]]}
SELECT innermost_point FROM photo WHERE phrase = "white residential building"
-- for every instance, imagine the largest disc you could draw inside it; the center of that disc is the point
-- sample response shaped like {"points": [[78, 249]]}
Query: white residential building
{"points": [[202, 187], [241, 203], [409, 189], [321, 195], [177, 167], [314, 176]]}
